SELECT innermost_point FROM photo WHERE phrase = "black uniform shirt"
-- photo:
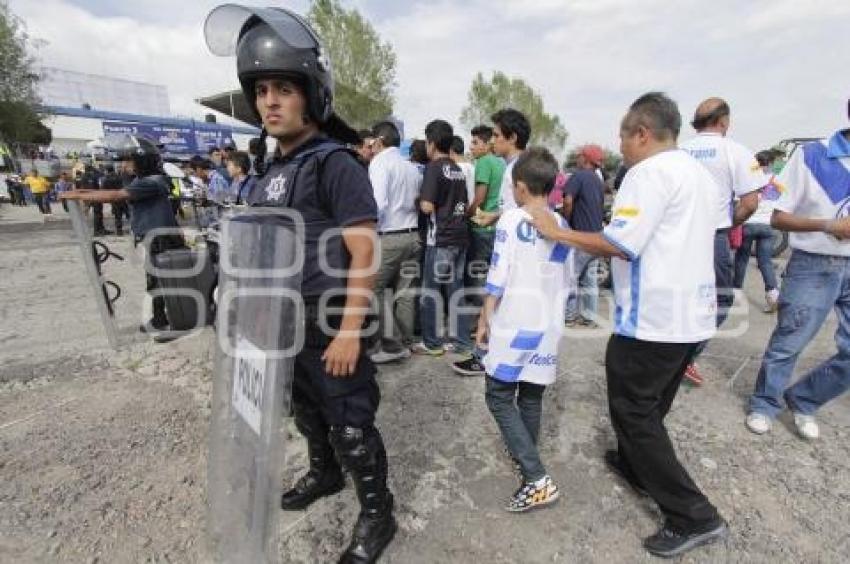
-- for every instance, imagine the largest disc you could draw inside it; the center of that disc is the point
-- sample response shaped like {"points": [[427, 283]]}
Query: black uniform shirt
{"points": [[339, 195]]}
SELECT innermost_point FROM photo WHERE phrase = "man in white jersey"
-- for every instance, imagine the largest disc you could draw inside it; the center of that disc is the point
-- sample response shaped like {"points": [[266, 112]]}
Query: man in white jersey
{"points": [[661, 240], [737, 175], [815, 208]]}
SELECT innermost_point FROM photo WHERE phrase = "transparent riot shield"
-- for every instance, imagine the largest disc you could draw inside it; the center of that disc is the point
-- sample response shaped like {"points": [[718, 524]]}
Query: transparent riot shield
{"points": [[259, 331], [94, 253]]}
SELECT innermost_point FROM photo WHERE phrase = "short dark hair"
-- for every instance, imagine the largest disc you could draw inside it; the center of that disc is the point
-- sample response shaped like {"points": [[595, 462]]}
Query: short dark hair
{"points": [[483, 132], [513, 122], [419, 151], [387, 132], [440, 133], [701, 121], [199, 163], [457, 145], [537, 169], [656, 112], [240, 159], [213, 149], [362, 136]]}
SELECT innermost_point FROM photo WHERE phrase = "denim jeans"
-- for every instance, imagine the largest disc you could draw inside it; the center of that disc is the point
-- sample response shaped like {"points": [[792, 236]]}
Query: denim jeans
{"points": [[812, 286], [762, 235], [43, 203], [517, 408], [478, 257], [723, 280], [586, 266], [443, 269]]}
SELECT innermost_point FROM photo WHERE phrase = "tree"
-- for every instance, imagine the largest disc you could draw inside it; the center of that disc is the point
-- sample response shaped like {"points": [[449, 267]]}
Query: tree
{"points": [[486, 97], [20, 106], [363, 66]]}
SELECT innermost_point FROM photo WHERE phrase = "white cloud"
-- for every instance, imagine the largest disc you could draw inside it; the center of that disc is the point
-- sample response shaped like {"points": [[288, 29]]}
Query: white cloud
{"points": [[781, 63]]}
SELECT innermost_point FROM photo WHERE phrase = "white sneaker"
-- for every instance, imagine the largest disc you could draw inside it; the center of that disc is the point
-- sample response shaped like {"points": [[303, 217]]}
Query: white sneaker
{"points": [[758, 423], [771, 298], [806, 426], [383, 357]]}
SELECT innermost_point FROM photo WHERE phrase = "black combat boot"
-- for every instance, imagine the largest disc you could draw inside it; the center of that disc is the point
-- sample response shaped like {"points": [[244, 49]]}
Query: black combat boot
{"points": [[324, 476], [362, 453]]}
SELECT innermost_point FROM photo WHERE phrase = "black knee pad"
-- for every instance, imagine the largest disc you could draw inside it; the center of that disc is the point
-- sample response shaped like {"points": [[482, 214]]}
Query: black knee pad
{"points": [[354, 446]]}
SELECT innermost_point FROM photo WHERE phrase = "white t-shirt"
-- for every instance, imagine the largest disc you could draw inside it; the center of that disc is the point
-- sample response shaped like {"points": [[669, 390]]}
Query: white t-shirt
{"points": [[816, 184], [733, 166], [506, 192], [469, 173], [532, 275], [665, 291]]}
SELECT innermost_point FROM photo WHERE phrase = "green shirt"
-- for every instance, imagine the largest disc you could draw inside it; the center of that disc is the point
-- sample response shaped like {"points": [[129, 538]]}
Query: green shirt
{"points": [[489, 170]]}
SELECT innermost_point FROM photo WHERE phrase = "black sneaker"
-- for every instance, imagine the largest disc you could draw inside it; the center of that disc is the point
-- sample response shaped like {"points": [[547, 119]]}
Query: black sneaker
{"points": [[667, 542], [531, 495], [469, 367], [615, 465]]}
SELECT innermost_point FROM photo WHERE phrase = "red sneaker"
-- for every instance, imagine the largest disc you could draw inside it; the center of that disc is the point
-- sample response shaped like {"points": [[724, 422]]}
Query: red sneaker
{"points": [[693, 376]]}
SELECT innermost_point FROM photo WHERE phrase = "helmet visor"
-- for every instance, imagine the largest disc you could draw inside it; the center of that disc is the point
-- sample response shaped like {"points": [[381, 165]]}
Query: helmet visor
{"points": [[224, 24]]}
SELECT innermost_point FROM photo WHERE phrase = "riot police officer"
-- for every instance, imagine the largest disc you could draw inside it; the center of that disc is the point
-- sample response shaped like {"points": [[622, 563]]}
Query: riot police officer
{"points": [[287, 81], [147, 196]]}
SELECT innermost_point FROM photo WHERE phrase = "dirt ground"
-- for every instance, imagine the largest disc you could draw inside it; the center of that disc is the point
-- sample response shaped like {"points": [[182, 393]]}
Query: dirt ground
{"points": [[103, 454]]}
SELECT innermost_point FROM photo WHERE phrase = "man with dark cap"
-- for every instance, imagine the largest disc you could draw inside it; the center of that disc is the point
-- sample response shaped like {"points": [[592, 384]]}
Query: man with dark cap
{"points": [[287, 81]]}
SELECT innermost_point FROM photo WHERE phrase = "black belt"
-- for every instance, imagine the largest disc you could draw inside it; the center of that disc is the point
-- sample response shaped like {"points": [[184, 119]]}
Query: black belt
{"points": [[399, 231]]}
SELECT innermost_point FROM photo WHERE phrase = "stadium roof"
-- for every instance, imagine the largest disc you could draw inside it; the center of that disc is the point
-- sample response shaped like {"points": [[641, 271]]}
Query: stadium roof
{"points": [[139, 118]]}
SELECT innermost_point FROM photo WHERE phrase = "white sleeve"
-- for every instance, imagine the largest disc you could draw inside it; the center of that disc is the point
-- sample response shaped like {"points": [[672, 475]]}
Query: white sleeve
{"points": [[747, 175], [380, 179], [638, 209], [502, 257], [792, 183]]}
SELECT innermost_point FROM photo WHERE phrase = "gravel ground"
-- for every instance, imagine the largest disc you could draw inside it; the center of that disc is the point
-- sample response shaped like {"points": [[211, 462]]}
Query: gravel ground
{"points": [[104, 454]]}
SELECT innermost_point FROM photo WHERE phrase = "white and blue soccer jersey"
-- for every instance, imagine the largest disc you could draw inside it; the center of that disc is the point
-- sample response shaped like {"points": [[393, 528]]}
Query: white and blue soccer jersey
{"points": [[816, 184], [733, 166], [664, 291], [532, 276]]}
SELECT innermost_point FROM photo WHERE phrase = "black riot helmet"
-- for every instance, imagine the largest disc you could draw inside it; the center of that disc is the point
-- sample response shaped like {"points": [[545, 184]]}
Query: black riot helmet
{"points": [[142, 151], [274, 42]]}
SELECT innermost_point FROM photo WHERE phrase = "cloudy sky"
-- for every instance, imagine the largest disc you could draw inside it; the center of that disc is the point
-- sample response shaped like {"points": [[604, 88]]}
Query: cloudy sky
{"points": [[781, 64]]}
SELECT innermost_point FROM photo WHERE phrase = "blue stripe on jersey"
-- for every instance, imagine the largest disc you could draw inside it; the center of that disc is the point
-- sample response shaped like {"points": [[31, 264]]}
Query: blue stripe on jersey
{"points": [[627, 327], [527, 340], [494, 259], [833, 177], [494, 290], [507, 372], [560, 252], [622, 248], [839, 146]]}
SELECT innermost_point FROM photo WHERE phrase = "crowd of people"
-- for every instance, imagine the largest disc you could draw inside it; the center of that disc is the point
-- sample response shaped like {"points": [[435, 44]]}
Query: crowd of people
{"points": [[497, 264], [490, 258]]}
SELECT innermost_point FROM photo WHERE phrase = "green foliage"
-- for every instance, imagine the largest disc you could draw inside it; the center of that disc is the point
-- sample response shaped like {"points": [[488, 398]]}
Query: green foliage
{"points": [[501, 91], [20, 109], [364, 67]]}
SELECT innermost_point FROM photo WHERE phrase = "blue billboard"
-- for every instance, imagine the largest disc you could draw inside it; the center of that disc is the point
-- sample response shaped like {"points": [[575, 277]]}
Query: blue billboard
{"points": [[183, 141]]}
